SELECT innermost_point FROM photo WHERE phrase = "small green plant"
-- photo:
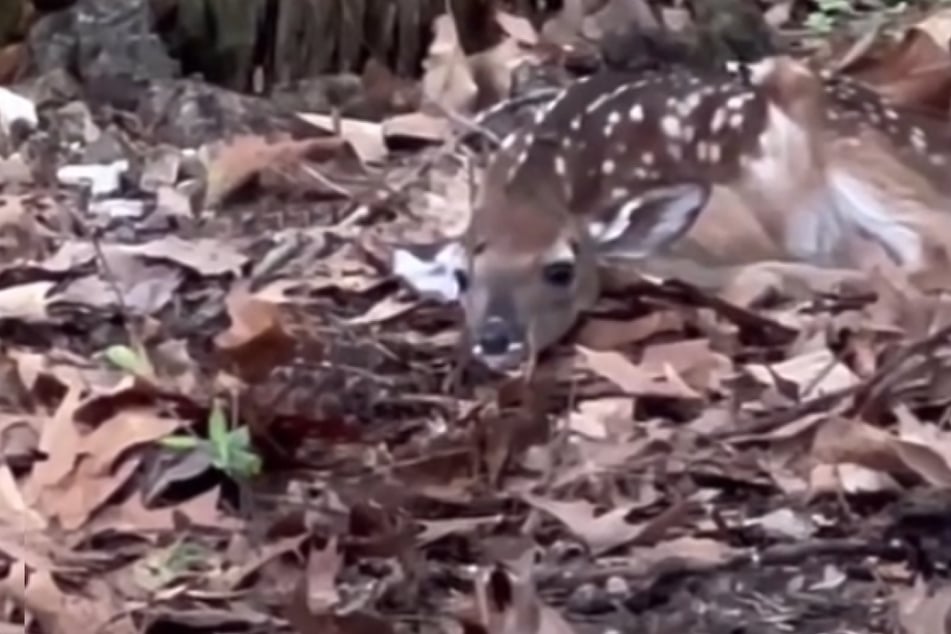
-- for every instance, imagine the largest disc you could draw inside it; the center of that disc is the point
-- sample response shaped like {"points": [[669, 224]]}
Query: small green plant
{"points": [[229, 450], [132, 361]]}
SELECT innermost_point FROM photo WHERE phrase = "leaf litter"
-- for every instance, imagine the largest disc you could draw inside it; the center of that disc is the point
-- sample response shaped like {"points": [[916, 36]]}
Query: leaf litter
{"points": [[232, 397]]}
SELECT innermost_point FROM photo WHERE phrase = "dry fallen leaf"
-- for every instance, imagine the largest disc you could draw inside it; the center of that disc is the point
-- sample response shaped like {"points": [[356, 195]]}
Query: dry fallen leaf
{"points": [[366, 137], [232, 164], [921, 611], [601, 532], [634, 379], [843, 440], [99, 610], [256, 340]]}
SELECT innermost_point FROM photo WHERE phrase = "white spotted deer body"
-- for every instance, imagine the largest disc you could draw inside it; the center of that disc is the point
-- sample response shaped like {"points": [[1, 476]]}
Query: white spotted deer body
{"points": [[782, 166]]}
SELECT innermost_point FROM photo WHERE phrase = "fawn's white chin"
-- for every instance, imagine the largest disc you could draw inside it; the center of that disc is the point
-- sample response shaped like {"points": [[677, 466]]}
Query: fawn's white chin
{"points": [[508, 361]]}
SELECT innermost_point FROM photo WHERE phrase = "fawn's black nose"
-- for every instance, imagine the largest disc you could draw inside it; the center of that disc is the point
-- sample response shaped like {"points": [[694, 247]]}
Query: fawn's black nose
{"points": [[495, 338]]}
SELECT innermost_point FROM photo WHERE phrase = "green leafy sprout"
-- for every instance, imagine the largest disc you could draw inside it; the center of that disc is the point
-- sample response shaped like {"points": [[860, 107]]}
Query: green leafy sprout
{"points": [[229, 450]]}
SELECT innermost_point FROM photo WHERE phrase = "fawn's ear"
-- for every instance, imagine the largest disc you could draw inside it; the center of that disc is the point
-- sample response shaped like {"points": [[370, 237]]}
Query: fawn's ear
{"points": [[646, 224], [432, 270]]}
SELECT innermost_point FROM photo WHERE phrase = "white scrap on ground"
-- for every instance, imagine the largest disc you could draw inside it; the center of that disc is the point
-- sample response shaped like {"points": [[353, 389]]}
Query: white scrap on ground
{"points": [[103, 178], [14, 107], [434, 278]]}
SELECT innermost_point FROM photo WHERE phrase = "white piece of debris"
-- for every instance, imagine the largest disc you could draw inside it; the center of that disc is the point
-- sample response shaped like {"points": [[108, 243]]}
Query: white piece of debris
{"points": [[433, 278], [118, 208], [15, 107], [103, 178]]}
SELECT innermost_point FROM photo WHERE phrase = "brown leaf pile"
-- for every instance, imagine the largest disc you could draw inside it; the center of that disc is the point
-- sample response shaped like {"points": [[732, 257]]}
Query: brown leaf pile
{"points": [[684, 463]]}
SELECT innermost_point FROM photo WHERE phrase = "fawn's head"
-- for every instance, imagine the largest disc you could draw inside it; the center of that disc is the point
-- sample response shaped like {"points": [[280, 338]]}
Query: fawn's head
{"points": [[531, 263]]}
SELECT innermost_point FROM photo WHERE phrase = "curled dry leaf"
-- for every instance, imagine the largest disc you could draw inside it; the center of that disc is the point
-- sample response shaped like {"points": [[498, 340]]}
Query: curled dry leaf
{"points": [[843, 440], [457, 82], [506, 602], [256, 341], [234, 163], [914, 70]]}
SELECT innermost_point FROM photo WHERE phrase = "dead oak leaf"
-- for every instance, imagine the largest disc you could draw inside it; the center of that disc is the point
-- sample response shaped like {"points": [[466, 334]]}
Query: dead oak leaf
{"points": [[233, 163], [607, 334], [924, 611], [366, 137], [921, 611], [235, 576], [126, 429], [83, 492], [207, 256], [693, 360], [505, 600], [814, 373], [132, 516], [635, 379], [256, 341], [601, 532], [97, 610], [447, 78], [915, 69], [689, 552], [843, 440]]}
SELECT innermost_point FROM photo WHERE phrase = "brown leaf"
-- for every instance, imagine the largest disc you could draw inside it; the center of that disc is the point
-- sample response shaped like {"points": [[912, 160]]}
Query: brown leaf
{"points": [[97, 610], [126, 429], [237, 161], [843, 440], [256, 341], [921, 611], [815, 373], [636, 380], [506, 602], [601, 532], [416, 126], [913, 71], [447, 78], [203, 256], [608, 334], [366, 137]]}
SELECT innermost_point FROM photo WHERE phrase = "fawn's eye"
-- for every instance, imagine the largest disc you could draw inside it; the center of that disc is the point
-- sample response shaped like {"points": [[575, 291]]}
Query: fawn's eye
{"points": [[462, 279], [559, 273]]}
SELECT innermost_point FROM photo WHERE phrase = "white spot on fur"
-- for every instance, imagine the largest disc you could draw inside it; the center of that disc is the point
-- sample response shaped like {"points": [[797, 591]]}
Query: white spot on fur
{"points": [[607, 167], [718, 120], [671, 126], [620, 192], [636, 113]]}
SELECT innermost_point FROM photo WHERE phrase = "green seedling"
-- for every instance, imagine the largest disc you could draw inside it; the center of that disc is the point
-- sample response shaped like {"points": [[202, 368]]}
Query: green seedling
{"points": [[228, 450], [130, 360]]}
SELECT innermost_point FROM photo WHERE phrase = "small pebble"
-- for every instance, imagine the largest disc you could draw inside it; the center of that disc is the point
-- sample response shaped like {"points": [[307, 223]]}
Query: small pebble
{"points": [[617, 586], [589, 599]]}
